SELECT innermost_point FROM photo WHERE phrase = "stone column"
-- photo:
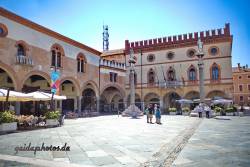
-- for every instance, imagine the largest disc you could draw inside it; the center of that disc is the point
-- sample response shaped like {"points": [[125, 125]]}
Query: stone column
{"points": [[132, 86], [201, 80], [17, 108], [98, 104], [79, 107], [162, 105]]}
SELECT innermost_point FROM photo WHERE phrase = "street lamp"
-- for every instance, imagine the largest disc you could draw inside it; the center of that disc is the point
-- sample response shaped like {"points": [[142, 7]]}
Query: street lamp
{"points": [[55, 74], [200, 55]]}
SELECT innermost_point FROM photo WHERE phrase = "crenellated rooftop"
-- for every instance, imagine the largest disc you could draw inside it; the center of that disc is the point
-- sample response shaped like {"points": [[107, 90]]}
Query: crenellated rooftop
{"points": [[183, 40]]}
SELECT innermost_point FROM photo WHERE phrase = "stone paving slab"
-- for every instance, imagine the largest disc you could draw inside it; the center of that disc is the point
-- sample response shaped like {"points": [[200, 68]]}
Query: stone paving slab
{"points": [[100, 141], [218, 142]]}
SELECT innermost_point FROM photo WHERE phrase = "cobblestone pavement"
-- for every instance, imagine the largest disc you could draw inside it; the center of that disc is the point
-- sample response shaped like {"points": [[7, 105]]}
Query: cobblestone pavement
{"points": [[224, 141], [98, 141]]}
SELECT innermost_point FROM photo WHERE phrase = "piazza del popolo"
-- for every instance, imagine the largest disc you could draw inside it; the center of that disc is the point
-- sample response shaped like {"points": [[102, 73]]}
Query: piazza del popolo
{"points": [[166, 68]]}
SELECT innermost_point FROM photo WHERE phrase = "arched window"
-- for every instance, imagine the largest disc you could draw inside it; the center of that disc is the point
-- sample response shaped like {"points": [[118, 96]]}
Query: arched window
{"points": [[192, 73], [171, 74], [57, 53], [81, 63], [215, 72], [151, 76], [20, 50]]}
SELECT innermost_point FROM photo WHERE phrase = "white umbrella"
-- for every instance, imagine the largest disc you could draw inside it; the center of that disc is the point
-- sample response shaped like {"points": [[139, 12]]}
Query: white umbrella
{"points": [[39, 96], [42, 96], [14, 96], [198, 100], [184, 101], [55, 97], [222, 101]]}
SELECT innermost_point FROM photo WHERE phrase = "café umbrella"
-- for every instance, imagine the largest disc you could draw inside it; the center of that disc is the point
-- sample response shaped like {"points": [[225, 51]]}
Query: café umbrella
{"points": [[13, 96]]}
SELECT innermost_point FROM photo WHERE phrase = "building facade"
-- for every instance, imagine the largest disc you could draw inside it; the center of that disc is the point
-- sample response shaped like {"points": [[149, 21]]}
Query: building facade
{"points": [[167, 68], [30, 52], [96, 82], [241, 80]]}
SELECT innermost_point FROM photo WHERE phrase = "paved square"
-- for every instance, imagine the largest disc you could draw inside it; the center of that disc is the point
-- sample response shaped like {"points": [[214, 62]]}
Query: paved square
{"points": [[113, 141]]}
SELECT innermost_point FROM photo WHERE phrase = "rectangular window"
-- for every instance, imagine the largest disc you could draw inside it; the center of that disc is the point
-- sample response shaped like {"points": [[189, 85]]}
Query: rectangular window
{"points": [[53, 60], [78, 65], [249, 87], [111, 77], [58, 60], [82, 66], [240, 88], [115, 77], [241, 98]]}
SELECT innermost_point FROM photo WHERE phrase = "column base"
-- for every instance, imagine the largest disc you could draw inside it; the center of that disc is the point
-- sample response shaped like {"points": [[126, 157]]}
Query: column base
{"points": [[132, 111]]}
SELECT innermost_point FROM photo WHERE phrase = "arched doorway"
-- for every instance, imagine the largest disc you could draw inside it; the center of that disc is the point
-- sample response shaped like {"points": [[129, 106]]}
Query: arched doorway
{"points": [[68, 89], [170, 100], [88, 102], [215, 94], [152, 98], [192, 95], [34, 83], [111, 101], [5, 82]]}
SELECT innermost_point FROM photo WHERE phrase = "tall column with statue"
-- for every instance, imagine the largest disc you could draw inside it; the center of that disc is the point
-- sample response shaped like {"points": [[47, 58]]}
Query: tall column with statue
{"points": [[132, 110]]}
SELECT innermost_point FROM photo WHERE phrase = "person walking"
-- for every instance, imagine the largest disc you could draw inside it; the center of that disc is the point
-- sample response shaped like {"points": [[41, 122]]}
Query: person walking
{"points": [[158, 114], [150, 113]]}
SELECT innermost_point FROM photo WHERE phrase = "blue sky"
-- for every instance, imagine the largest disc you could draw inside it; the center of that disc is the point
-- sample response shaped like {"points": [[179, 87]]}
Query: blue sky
{"points": [[135, 20]]}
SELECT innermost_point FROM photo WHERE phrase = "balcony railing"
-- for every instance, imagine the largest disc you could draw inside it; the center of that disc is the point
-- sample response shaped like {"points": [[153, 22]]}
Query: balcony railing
{"points": [[24, 60], [171, 84]]}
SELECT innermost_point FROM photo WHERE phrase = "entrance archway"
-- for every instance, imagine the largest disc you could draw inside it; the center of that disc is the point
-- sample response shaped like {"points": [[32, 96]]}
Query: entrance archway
{"points": [[216, 94], [170, 100], [192, 95], [5, 82], [68, 89], [88, 102], [152, 98], [34, 83], [111, 100]]}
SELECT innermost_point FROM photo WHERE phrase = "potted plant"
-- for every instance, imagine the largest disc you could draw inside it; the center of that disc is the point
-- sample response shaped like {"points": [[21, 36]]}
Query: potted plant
{"points": [[229, 111], [218, 110], [7, 121], [172, 111], [186, 111], [52, 118]]}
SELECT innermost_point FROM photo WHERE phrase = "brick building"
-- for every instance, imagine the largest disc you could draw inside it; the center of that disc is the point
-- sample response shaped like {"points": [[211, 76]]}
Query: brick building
{"points": [[241, 81]]}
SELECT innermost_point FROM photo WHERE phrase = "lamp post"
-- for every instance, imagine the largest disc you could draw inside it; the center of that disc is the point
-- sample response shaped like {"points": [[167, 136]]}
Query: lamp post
{"points": [[54, 85], [200, 55]]}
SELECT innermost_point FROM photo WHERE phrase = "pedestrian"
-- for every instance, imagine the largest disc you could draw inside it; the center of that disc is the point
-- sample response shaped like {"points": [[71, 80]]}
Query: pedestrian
{"points": [[158, 114], [147, 113], [150, 113], [200, 109]]}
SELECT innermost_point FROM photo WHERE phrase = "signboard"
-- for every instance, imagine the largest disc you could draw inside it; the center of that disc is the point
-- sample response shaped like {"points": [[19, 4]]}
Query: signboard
{"points": [[55, 82]]}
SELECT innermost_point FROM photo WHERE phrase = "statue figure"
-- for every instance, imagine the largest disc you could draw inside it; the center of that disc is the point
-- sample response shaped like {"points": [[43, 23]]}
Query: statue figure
{"points": [[200, 46]]}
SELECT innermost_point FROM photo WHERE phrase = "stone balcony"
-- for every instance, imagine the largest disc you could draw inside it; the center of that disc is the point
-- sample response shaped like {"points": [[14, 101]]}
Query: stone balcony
{"points": [[24, 60]]}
